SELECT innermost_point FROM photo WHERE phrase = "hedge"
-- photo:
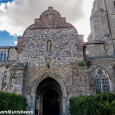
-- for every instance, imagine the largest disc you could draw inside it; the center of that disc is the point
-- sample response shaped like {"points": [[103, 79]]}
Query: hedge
{"points": [[13, 102], [98, 104]]}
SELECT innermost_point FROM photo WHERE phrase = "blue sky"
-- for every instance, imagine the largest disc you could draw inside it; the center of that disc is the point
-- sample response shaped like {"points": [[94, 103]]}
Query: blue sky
{"points": [[5, 1], [17, 15], [5, 38]]}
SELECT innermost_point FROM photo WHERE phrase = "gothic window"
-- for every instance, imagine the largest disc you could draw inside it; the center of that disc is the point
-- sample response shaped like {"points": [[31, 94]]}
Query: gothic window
{"points": [[49, 45], [3, 56], [101, 81]]}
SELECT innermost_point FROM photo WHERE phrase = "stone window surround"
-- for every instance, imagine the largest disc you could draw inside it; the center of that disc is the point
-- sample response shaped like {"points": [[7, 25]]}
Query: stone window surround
{"points": [[52, 44], [4, 53], [49, 45], [106, 75]]}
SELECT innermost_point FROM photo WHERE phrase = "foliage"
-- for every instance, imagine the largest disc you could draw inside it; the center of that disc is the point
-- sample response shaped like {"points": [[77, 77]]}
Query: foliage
{"points": [[14, 102], [82, 63], [16, 66], [98, 104]]}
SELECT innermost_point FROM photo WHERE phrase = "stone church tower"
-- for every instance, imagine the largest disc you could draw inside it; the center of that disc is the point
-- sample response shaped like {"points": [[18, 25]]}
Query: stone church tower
{"points": [[100, 48], [51, 63]]}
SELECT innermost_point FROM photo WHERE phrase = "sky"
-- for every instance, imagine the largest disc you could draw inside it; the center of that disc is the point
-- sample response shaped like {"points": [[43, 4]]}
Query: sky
{"points": [[17, 15]]}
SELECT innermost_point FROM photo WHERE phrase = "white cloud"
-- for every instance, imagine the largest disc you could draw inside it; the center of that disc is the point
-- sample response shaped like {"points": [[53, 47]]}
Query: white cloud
{"points": [[21, 13], [15, 43], [83, 25], [2, 7]]}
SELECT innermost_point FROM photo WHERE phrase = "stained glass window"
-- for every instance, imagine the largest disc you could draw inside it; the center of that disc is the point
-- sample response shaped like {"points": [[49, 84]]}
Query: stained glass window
{"points": [[98, 84], [99, 72], [101, 81], [105, 84]]}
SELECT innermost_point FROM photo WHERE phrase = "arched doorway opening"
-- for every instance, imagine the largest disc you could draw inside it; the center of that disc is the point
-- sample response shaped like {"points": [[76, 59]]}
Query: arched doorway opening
{"points": [[51, 103], [48, 98]]}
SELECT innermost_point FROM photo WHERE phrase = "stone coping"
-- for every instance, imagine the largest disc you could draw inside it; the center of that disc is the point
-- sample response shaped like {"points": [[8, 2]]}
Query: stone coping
{"points": [[100, 57], [7, 47], [8, 61], [94, 42]]}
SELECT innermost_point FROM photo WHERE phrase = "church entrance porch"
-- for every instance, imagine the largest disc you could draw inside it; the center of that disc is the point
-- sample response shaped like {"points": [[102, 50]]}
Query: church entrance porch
{"points": [[48, 98]]}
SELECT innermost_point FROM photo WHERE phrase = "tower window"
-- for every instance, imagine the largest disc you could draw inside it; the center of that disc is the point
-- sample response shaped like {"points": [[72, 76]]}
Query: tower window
{"points": [[49, 45], [101, 81]]}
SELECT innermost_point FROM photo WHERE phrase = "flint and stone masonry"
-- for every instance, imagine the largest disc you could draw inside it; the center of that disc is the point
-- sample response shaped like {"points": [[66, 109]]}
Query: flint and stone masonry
{"points": [[48, 56]]}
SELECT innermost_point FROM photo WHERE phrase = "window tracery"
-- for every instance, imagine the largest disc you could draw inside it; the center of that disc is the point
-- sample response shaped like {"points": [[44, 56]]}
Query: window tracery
{"points": [[101, 81]]}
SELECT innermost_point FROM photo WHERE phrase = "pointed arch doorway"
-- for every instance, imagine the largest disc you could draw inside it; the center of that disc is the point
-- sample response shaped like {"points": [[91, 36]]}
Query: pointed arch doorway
{"points": [[48, 98]]}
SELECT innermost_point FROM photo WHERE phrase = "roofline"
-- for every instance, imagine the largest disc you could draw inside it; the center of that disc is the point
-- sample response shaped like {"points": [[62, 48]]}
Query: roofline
{"points": [[7, 47], [94, 42]]}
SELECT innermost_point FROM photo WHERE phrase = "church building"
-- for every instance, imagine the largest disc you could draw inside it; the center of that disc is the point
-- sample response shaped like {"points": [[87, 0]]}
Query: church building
{"points": [[51, 63]]}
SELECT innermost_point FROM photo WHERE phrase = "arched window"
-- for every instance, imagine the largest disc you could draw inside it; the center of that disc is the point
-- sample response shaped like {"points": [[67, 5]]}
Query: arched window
{"points": [[49, 45], [101, 81], [3, 56]]}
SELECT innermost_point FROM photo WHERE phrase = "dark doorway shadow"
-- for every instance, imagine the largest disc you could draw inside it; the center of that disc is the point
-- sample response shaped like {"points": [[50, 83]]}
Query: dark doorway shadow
{"points": [[51, 103]]}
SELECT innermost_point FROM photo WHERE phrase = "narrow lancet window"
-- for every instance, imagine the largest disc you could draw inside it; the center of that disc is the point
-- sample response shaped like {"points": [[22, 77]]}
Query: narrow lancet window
{"points": [[49, 45], [1, 56]]}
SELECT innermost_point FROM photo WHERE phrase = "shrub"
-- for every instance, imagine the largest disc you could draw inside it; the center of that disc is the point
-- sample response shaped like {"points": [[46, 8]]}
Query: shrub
{"points": [[14, 102], [83, 63], [98, 104]]}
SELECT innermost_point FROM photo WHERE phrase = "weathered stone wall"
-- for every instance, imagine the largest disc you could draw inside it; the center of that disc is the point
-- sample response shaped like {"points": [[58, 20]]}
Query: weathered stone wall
{"points": [[80, 80], [3, 50], [66, 47], [99, 21], [66, 44], [4, 53], [102, 24], [11, 77], [110, 6], [4, 75], [13, 54], [36, 63], [95, 50], [105, 63], [73, 78]]}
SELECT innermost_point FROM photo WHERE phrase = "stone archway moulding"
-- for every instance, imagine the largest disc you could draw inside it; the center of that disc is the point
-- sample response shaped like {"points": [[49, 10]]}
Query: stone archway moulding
{"points": [[38, 79]]}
